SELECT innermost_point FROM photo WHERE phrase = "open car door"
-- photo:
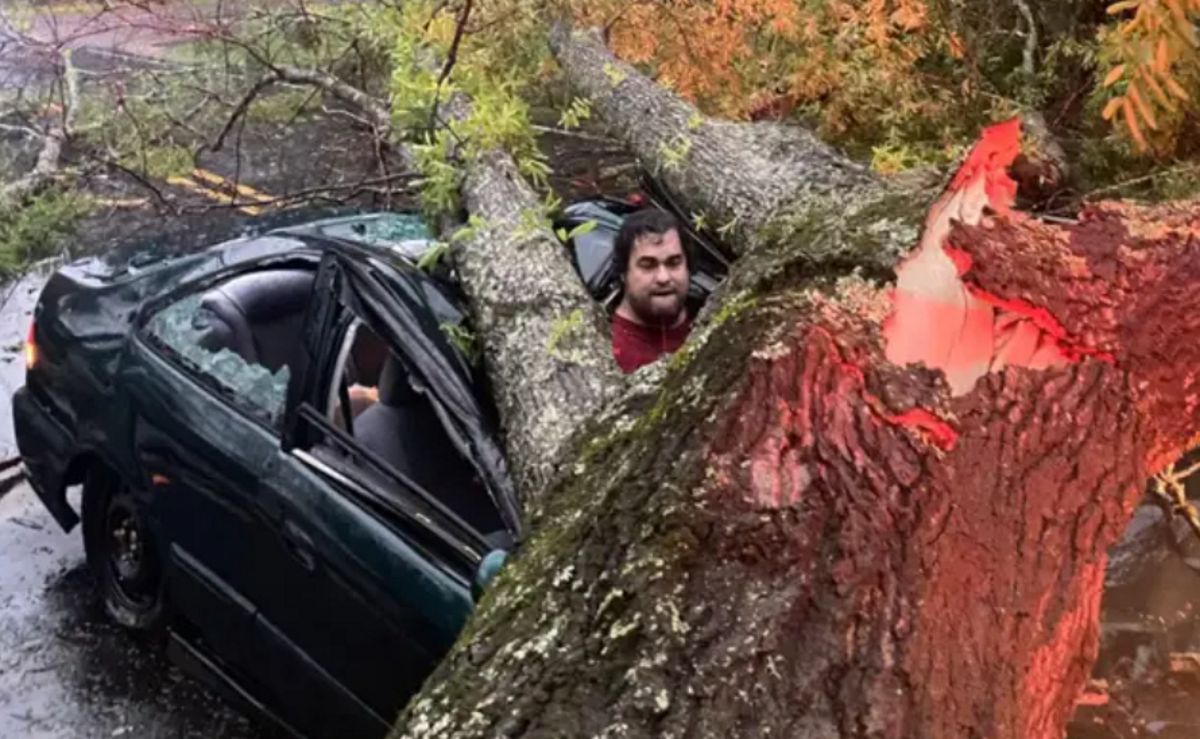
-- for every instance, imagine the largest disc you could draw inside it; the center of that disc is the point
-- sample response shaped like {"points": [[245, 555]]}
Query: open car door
{"points": [[375, 562]]}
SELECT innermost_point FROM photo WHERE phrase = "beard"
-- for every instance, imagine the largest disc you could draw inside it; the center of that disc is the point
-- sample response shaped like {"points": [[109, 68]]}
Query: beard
{"points": [[661, 308]]}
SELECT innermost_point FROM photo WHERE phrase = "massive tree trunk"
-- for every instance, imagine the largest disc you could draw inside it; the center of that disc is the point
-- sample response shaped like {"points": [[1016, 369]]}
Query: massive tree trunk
{"points": [[852, 509]]}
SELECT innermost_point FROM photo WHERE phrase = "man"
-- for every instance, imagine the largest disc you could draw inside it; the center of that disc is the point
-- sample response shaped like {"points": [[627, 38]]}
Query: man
{"points": [[652, 318]]}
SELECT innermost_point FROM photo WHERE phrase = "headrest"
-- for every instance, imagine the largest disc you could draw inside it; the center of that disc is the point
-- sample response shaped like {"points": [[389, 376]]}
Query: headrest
{"points": [[225, 326], [263, 296]]}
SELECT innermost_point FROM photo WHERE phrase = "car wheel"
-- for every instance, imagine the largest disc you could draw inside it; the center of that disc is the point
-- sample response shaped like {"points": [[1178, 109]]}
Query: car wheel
{"points": [[121, 553]]}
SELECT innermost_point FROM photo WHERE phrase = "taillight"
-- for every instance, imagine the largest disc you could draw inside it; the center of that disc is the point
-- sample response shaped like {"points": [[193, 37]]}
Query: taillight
{"points": [[31, 350]]}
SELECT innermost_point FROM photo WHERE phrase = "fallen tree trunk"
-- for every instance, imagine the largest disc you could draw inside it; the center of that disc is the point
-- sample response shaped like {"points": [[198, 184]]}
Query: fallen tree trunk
{"points": [[848, 511], [544, 339], [853, 510], [740, 176]]}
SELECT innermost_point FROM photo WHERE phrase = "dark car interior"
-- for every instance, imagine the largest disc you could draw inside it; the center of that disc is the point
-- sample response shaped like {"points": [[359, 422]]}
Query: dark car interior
{"points": [[591, 251], [260, 316], [400, 426]]}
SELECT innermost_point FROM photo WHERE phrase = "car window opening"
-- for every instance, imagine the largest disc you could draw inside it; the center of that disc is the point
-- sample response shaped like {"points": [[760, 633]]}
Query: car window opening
{"points": [[245, 334], [390, 417]]}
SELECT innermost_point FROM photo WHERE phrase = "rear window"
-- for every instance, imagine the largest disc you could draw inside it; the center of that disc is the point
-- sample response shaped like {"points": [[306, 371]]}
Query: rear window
{"points": [[182, 329]]}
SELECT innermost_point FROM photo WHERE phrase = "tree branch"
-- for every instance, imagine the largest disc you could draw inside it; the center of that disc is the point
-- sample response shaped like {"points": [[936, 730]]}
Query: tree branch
{"points": [[241, 108], [1028, 62], [545, 340], [738, 175], [376, 111], [53, 140]]}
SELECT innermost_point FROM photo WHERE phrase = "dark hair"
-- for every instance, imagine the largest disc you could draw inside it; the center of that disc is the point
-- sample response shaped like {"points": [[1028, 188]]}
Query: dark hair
{"points": [[637, 225]]}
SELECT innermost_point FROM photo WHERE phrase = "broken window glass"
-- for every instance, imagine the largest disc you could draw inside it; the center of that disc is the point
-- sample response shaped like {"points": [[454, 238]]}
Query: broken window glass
{"points": [[405, 233], [182, 327]]}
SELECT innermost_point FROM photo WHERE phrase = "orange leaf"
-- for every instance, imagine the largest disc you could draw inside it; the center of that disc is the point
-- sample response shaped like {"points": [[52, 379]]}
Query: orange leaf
{"points": [[1113, 75], [1122, 6], [1134, 129], [1176, 89], [1156, 89], [1111, 109], [1162, 57], [1135, 94], [956, 46]]}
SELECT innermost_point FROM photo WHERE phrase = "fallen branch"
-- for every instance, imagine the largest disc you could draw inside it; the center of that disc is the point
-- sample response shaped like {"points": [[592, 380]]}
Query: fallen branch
{"points": [[377, 113], [49, 159], [240, 110]]}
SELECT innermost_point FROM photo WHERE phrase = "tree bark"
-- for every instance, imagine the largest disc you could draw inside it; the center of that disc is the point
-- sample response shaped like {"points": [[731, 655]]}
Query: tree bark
{"points": [[851, 510], [739, 176], [545, 341]]}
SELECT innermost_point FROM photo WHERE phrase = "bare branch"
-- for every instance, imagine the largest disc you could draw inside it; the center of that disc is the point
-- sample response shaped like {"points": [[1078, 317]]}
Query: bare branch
{"points": [[53, 140], [241, 108], [452, 55], [378, 113], [1028, 63]]}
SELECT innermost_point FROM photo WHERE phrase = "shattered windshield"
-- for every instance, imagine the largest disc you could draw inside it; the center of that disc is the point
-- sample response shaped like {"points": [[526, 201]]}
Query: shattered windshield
{"points": [[404, 233], [184, 327]]}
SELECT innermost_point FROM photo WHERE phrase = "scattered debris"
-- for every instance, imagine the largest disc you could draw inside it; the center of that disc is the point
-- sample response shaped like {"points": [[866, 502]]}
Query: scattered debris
{"points": [[1095, 693], [1187, 663], [32, 525]]}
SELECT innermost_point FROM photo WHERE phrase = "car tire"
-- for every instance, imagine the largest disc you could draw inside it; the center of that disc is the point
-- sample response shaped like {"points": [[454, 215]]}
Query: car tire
{"points": [[121, 553]]}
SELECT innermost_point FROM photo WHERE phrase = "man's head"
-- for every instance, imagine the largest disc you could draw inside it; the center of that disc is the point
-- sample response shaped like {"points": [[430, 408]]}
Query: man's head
{"points": [[654, 267]]}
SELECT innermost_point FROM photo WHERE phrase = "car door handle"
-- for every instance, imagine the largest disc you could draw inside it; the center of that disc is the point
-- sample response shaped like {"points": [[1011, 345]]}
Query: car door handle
{"points": [[300, 546]]}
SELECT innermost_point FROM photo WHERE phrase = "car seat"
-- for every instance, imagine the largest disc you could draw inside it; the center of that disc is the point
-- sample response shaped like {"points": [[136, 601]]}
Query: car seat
{"points": [[260, 316], [404, 430]]}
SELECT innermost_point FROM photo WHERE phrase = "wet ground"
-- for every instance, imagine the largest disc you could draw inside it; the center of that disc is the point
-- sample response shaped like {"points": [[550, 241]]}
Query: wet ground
{"points": [[66, 672]]}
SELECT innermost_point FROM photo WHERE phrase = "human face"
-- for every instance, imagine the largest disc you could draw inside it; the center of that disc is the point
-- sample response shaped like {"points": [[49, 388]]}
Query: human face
{"points": [[656, 280]]}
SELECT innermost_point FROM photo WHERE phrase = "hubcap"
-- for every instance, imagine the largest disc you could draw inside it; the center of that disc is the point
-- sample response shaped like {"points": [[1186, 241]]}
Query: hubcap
{"points": [[128, 556]]}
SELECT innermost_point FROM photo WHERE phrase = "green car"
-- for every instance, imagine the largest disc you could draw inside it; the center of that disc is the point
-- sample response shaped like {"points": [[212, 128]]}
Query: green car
{"points": [[286, 461]]}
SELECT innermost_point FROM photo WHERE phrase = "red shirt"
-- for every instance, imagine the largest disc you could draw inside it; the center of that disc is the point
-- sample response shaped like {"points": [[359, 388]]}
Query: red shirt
{"points": [[635, 344]]}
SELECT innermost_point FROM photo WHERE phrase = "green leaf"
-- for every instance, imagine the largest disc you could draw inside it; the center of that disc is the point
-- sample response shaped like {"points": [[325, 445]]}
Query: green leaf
{"points": [[584, 228], [429, 260]]}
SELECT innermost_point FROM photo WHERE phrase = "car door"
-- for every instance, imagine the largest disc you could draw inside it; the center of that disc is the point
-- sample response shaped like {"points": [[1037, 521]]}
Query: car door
{"points": [[373, 580], [205, 425]]}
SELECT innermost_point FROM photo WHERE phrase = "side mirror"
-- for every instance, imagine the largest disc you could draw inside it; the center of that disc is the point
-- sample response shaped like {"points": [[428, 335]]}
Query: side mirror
{"points": [[486, 572]]}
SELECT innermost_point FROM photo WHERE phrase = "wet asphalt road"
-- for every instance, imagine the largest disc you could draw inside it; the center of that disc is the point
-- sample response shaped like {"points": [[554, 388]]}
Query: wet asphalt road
{"points": [[66, 672]]}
